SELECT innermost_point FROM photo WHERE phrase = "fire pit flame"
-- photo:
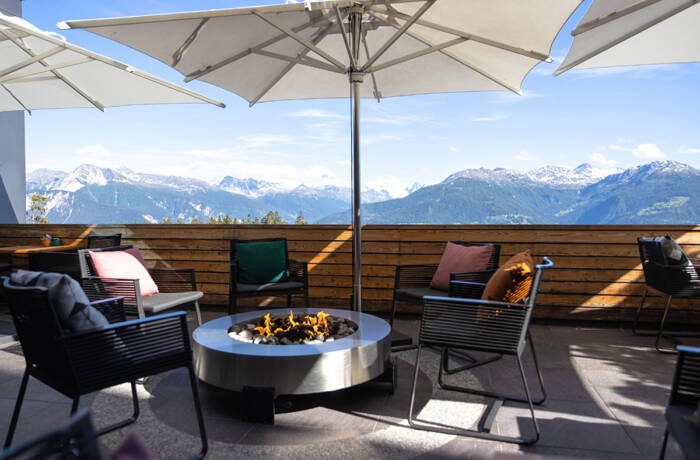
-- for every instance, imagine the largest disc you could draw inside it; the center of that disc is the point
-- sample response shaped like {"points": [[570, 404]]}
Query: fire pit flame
{"points": [[293, 329]]}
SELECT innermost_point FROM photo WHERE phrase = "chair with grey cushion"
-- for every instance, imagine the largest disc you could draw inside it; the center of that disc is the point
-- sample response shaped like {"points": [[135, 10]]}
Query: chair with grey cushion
{"points": [[177, 287], [262, 267], [412, 282]]}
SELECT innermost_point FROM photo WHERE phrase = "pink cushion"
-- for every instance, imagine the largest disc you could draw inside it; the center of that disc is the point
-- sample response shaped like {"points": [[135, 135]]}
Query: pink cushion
{"points": [[121, 264], [458, 258], [133, 448]]}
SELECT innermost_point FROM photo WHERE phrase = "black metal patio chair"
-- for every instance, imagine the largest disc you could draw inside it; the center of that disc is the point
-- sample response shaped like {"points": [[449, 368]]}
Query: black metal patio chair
{"points": [[669, 271], [475, 325], [78, 363], [56, 262], [177, 287], [295, 280], [685, 398], [412, 282], [104, 241], [74, 439]]}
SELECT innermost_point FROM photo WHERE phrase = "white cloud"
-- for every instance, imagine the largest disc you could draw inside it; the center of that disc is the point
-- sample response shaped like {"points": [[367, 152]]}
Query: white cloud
{"points": [[600, 158], [94, 154], [383, 117], [648, 151], [489, 118], [392, 185], [620, 148], [689, 150], [455, 149], [524, 155], [316, 113]]}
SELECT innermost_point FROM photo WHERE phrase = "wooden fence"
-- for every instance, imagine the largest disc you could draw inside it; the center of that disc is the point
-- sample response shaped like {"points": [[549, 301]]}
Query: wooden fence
{"points": [[597, 274]]}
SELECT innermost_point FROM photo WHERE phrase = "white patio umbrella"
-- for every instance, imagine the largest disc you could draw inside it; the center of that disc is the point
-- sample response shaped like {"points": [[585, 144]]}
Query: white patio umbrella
{"points": [[357, 48], [42, 71], [635, 32]]}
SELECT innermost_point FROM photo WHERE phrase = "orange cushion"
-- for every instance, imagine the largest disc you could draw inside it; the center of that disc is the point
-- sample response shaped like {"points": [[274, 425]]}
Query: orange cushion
{"points": [[121, 264], [457, 259], [512, 281]]}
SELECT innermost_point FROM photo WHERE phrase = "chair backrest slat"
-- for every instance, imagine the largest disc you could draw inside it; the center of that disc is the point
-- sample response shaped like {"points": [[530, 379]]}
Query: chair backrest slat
{"points": [[104, 241], [686, 385], [57, 262]]}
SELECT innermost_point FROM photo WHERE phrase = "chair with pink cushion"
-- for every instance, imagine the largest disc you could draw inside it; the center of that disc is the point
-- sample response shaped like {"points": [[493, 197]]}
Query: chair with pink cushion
{"points": [[121, 271]]}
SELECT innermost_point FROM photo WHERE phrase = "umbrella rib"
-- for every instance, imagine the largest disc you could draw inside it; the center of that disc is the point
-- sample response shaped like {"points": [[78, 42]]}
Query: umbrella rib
{"points": [[401, 31], [593, 23], [65, 80], [452, 56], [626, 36], [483, 40], [303, 60], [301, 40], [289, 66], [244, 53], [344, 33], [377, 93], [416, 54], [28, 62], [15, 98], [46, 68], [177, 56]]}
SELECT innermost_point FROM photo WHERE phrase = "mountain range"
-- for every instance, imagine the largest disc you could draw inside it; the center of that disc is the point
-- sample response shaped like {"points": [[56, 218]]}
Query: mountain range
{"points": [[662, 192]]}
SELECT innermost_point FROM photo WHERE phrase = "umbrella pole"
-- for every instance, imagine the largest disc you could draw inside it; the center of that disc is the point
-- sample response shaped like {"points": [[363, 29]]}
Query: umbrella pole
{"points": [[356, 81]]}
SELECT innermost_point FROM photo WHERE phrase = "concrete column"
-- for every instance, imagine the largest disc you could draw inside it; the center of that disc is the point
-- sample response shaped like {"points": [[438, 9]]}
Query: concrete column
{"points": [[12, 155]]}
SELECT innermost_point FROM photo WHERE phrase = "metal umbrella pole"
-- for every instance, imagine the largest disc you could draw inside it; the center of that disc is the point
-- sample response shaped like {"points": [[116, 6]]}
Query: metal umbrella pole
{"points": [[356, 79]]}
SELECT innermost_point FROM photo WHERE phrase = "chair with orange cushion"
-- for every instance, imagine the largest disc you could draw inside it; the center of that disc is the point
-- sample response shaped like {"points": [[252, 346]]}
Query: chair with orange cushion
{"points": [[498, 327]]}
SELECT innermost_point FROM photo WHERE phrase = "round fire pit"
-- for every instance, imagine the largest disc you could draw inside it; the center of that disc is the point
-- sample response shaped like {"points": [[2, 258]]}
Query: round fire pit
{"points": [[291, 369]]}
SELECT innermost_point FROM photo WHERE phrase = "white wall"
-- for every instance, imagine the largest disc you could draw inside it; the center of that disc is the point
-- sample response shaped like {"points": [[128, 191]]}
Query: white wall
{"points": [[12, 156]]}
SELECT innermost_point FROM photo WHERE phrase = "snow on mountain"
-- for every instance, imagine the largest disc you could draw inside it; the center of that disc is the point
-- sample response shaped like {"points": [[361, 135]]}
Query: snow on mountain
{"points": [[496, 175], [249, 187], [44, 178], [582, 175]]}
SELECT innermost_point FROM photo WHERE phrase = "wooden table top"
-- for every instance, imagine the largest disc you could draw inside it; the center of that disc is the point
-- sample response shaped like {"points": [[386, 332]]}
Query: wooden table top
{"points": [[37, 248]]}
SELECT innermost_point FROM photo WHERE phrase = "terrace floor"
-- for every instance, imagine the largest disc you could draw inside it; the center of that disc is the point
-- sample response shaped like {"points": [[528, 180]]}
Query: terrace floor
{"points": [[607, 391]]}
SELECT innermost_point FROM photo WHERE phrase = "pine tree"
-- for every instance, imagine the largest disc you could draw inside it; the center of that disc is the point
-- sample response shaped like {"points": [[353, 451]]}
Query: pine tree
{"points": [[300, 219], [166, 220], [37, 209]]}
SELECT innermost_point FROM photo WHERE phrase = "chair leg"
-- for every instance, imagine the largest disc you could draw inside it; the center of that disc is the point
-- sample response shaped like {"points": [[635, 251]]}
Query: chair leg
{"points": [[198, 312], [128, 421], [232, 303], [18, 407], [289, 301], [537, 369], [74, 406], [661, 329], [635, 331], [198, 411], [662, 454], [490, 414], [473, 362], [393, 312]]}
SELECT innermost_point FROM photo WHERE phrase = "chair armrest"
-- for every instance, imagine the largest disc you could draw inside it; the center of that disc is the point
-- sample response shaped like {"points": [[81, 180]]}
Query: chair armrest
{"points": [[408, 276], [124, 351], [98, 288], [481, 276], [298, 270], [466, 289], [688, 349], [112, 308], [174, 279]]}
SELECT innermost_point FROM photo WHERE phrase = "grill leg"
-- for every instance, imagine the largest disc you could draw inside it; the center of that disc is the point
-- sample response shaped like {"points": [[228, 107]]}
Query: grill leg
{"points": [[18, 407], [661, 329], [198, 411]]}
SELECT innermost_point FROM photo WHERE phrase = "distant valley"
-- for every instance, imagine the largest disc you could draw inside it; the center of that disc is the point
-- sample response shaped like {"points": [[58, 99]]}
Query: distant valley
{"points": [[661, 192]]}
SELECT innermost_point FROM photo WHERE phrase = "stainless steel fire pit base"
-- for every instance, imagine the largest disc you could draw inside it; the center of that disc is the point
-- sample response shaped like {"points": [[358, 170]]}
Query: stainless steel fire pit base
{"points": [[292, 369]]}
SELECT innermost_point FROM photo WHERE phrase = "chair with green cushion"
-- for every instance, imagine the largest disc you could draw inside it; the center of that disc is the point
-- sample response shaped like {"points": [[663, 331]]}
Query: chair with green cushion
{"points": [[262, 267]]}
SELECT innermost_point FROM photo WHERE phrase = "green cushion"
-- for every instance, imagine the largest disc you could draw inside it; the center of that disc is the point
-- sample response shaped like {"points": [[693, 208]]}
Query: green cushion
{"points": [[262, 262]]}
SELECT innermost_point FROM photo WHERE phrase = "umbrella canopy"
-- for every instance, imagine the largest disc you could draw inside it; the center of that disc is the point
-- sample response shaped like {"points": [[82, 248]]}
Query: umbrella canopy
{"points": [[362, 48], [41, 71], [635, 32]]}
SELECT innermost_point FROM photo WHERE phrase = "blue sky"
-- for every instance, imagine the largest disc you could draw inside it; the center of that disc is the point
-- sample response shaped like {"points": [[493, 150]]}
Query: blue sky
{"points": [[611, 119]]}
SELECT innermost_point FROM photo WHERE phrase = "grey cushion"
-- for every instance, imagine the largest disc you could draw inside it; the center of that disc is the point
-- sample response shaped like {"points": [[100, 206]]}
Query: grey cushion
{"points": [[164, 300], [673, 251], [71, 305], [418, 293], [283, 286]]}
